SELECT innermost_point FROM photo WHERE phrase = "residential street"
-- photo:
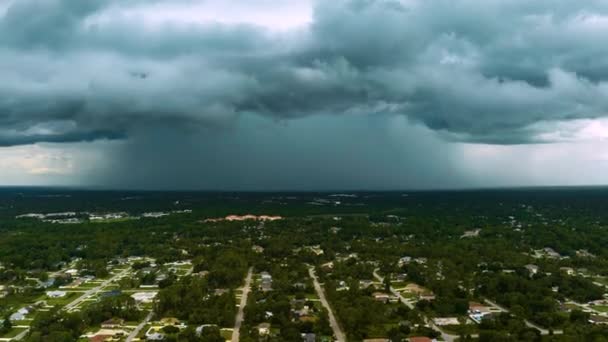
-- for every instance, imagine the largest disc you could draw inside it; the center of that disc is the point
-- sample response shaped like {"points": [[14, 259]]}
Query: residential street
{"points": [[95, 290], [141, 325], [238, 321], [340, 336]]}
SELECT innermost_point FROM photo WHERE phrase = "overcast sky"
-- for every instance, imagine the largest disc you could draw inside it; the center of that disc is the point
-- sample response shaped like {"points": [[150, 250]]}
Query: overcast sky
{"points": [[303, 94]]}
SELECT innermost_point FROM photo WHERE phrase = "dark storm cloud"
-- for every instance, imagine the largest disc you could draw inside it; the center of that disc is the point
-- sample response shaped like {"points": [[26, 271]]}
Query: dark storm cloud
{"points": [[312, 153], [478, 71]]}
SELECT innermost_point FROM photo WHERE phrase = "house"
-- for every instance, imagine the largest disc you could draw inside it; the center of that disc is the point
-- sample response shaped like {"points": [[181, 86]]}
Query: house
{"points": [[48, 283], [169, 321], [478, 317], [316, 250], [305, 311], [381, 297], [363, 284], [421, 261], [258, 249], [144, 297], [532, 269], [72, 272], [299, 285], [470, 233], [427, 296], [328, 266], [113, 323], [264, 329], [310, 337], [400, 276], [551, 253], [220, 292], [19, 315], [440, 321], [342, 286], [56, 294], [404, 261], [583, 253], [476, 308], [153, 335], [567, 270], [100, 338], [597, 319], [266, 284]]}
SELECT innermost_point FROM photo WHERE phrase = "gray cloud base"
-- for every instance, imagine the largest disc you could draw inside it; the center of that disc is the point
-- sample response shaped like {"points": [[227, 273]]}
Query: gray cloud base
{"points": [[476, 71]]}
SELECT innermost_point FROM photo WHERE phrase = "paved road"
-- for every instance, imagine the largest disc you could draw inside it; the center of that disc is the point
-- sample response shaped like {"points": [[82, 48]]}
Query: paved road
{"points": [[446, 337], [141, 325], [340, 336], [94, 290], [21, 335], [238, 321], [542, 330]]}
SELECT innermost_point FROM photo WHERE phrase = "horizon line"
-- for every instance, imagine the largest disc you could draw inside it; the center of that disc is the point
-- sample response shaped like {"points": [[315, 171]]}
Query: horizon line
{"points": [[332, 191]]}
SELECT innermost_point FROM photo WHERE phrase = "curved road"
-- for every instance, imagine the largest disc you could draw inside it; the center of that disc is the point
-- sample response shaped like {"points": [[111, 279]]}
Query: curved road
{"points": [[340, 336], [238, 321]]}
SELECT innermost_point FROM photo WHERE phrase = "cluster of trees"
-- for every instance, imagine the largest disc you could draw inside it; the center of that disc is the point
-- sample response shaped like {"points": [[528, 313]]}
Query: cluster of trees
{"points": [[193, 300], [534, 298], [5, 325]]}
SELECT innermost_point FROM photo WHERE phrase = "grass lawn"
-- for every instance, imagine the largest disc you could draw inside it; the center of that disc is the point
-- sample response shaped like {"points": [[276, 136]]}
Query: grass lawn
{"points": [[226, 333], [465, 329], [398, 284], [24, 322], [600, 308], [16, 301], [69, 297], [143, 331], [13, 332], [146, 306], [408, 295]]}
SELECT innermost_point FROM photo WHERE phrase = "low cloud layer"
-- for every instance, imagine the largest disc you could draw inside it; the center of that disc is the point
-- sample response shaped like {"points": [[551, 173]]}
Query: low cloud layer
{"points": [[474, 71]]}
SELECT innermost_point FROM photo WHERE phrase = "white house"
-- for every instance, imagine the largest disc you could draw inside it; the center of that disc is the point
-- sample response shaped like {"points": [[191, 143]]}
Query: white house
{"points": [[56, 294]]}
